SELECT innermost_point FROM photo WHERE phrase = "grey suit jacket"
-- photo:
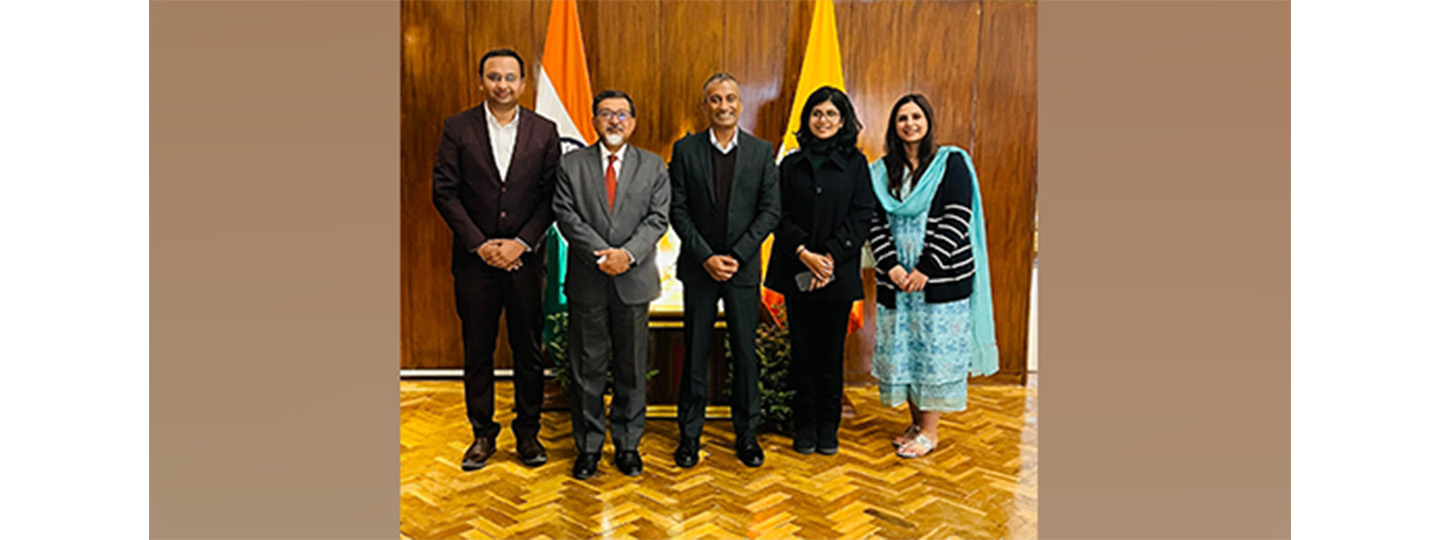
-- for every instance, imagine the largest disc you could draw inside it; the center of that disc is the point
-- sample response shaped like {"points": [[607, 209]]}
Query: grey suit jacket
{"points": [[640, 218]]}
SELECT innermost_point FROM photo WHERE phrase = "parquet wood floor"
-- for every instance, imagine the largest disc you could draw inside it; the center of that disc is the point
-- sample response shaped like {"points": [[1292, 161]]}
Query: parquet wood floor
{"points": [[981, 482]]}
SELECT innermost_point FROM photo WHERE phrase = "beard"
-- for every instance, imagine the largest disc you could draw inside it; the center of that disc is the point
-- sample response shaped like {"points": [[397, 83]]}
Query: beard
{"points": [[614, 139]]}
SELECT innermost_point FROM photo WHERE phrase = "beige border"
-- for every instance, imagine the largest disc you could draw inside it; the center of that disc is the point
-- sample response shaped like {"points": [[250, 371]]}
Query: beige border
{"points": [[1164, 136], [1165, 204], [275, 270]]}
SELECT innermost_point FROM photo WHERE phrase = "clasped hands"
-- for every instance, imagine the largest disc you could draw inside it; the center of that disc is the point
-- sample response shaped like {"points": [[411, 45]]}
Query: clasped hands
{"points": [[908, 282], [502, 253], [822, 266], [612, 261], [721, 267]]}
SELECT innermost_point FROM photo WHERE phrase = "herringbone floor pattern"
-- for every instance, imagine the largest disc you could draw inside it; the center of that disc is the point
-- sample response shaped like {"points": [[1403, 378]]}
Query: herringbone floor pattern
{"points": [[981, 482]]}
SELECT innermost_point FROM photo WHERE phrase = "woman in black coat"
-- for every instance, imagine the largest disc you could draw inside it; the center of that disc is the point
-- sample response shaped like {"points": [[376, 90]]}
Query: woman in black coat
{"points": [[825, 209]]}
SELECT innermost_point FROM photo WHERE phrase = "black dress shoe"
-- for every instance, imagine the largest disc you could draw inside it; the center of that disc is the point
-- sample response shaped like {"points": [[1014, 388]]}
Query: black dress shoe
{"points": [[688, 454], [750, 453], [628, 462], [827, 442], [585, 465], [804, 441], [530, 450], [479, 452]]}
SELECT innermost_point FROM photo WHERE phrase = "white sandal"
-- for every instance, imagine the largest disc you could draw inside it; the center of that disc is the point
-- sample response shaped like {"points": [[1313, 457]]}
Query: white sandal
{"points": [[906, 437], [921, 442]]}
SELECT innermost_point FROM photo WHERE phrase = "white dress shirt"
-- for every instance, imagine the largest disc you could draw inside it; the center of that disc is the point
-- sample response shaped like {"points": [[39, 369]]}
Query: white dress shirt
{"points": [[619, 161], [502, 139], [725, 149]]}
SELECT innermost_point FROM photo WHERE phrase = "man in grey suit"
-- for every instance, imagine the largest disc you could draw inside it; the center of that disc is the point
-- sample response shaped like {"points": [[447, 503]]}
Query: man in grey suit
{"points": [[612, 203], [726, 201]]}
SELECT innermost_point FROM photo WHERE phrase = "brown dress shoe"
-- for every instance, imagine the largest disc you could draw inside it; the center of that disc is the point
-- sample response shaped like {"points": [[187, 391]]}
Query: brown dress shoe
{"points": [[532, 453], [478, 454]]}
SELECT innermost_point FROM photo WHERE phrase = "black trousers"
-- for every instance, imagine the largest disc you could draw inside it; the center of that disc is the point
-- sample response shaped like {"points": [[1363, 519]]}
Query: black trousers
{"points": [[742, 317], [817, 352], [614, 335], [481, 294]]}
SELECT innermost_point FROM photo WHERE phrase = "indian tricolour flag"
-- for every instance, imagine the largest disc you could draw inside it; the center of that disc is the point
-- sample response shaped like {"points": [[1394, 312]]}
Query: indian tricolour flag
{"points": [[564, 97]]}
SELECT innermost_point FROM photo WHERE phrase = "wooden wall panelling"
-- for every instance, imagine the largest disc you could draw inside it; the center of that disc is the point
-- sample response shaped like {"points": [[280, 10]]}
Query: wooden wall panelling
{"points": [[495, 25], [628, 48], [942, 43], [1005, 160], [693, 47], [757, 47], [872, 53], [432, 75]]}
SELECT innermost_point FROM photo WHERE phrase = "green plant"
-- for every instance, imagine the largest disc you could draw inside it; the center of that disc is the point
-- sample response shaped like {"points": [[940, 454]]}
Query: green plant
{"points": [[558, 326]]}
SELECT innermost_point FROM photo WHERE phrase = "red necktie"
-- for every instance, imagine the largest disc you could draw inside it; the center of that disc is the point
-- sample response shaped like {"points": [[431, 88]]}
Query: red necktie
{"points": [[610, 181]]}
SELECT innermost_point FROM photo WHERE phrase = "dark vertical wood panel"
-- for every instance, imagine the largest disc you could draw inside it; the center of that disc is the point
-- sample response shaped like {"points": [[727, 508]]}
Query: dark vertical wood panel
{"points": [[627, 49], [508, 25], [692, 38], [756, 47], [433, 82], [1005, 159], [872, 54], [942, 44]]}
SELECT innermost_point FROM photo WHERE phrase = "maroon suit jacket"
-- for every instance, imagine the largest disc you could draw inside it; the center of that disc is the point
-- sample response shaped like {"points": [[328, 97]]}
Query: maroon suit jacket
{"points": [[476, 204]]}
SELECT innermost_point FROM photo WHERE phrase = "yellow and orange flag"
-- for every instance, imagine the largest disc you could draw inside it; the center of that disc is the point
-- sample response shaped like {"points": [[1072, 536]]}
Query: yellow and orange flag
{"points": [[820, 67]]}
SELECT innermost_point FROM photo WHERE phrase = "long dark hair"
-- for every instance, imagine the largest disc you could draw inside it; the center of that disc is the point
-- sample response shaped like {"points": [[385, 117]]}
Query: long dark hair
{"points": [[895, 159], [849, 133]]}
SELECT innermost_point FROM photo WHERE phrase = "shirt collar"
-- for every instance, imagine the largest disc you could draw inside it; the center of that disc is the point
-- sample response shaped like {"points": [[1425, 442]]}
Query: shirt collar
{"points": [[495, 122], [605, 152], [734, 141]]}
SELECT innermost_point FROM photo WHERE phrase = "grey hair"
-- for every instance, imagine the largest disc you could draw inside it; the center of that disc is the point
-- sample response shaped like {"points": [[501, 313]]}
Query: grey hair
{"points": [[718, 77]]}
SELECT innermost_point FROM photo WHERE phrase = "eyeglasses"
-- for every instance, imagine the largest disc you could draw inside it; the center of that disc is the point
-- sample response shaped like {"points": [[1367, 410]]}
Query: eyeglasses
{"points": [[619, 116], [830, 114]]}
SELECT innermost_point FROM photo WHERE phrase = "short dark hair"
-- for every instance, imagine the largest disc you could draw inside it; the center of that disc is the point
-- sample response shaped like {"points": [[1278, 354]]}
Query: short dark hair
{"points": [[495, 53], [718, 77], [609, 94], [849, 133]]}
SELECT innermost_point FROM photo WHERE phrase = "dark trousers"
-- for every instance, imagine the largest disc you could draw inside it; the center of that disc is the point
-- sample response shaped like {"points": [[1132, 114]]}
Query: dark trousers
{"points": [[480, 296], [613, 335], [742, 306], [817, 352]]}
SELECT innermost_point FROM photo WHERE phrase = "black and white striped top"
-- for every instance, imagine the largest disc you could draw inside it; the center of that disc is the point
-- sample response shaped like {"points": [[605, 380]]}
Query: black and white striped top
{"points": [[947, 258]]}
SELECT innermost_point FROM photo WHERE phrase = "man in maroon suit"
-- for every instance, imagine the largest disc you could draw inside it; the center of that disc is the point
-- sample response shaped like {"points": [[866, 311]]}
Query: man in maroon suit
{"points": [[494, 180]]}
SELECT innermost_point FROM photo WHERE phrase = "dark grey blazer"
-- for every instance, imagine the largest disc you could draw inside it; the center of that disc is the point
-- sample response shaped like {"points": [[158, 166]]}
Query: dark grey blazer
{"points": [[640, 218]]}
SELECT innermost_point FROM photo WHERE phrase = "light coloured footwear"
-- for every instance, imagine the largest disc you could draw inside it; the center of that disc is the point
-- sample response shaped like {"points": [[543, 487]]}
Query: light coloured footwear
{"points": [[908, 436], [918, 447]]}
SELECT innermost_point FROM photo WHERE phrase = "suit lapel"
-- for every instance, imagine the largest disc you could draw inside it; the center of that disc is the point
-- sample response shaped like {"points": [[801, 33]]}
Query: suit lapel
{"points": [[592, 180], [482, 134], [748, 152], [522, 140], [627, 181], [707, 168]]}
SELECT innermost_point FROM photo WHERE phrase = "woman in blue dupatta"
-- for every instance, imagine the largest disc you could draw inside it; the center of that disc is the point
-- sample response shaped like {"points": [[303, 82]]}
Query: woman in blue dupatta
{"points": [[935, 325]]}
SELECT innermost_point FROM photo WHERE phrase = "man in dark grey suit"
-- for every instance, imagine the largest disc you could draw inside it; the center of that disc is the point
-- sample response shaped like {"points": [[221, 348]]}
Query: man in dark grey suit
{"points": [[612, 203], [726, 200]]}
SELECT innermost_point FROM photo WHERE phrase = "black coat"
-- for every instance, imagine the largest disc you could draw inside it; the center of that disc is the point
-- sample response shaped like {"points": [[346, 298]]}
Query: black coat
{"points": [[828, 211], [753, 210]]}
